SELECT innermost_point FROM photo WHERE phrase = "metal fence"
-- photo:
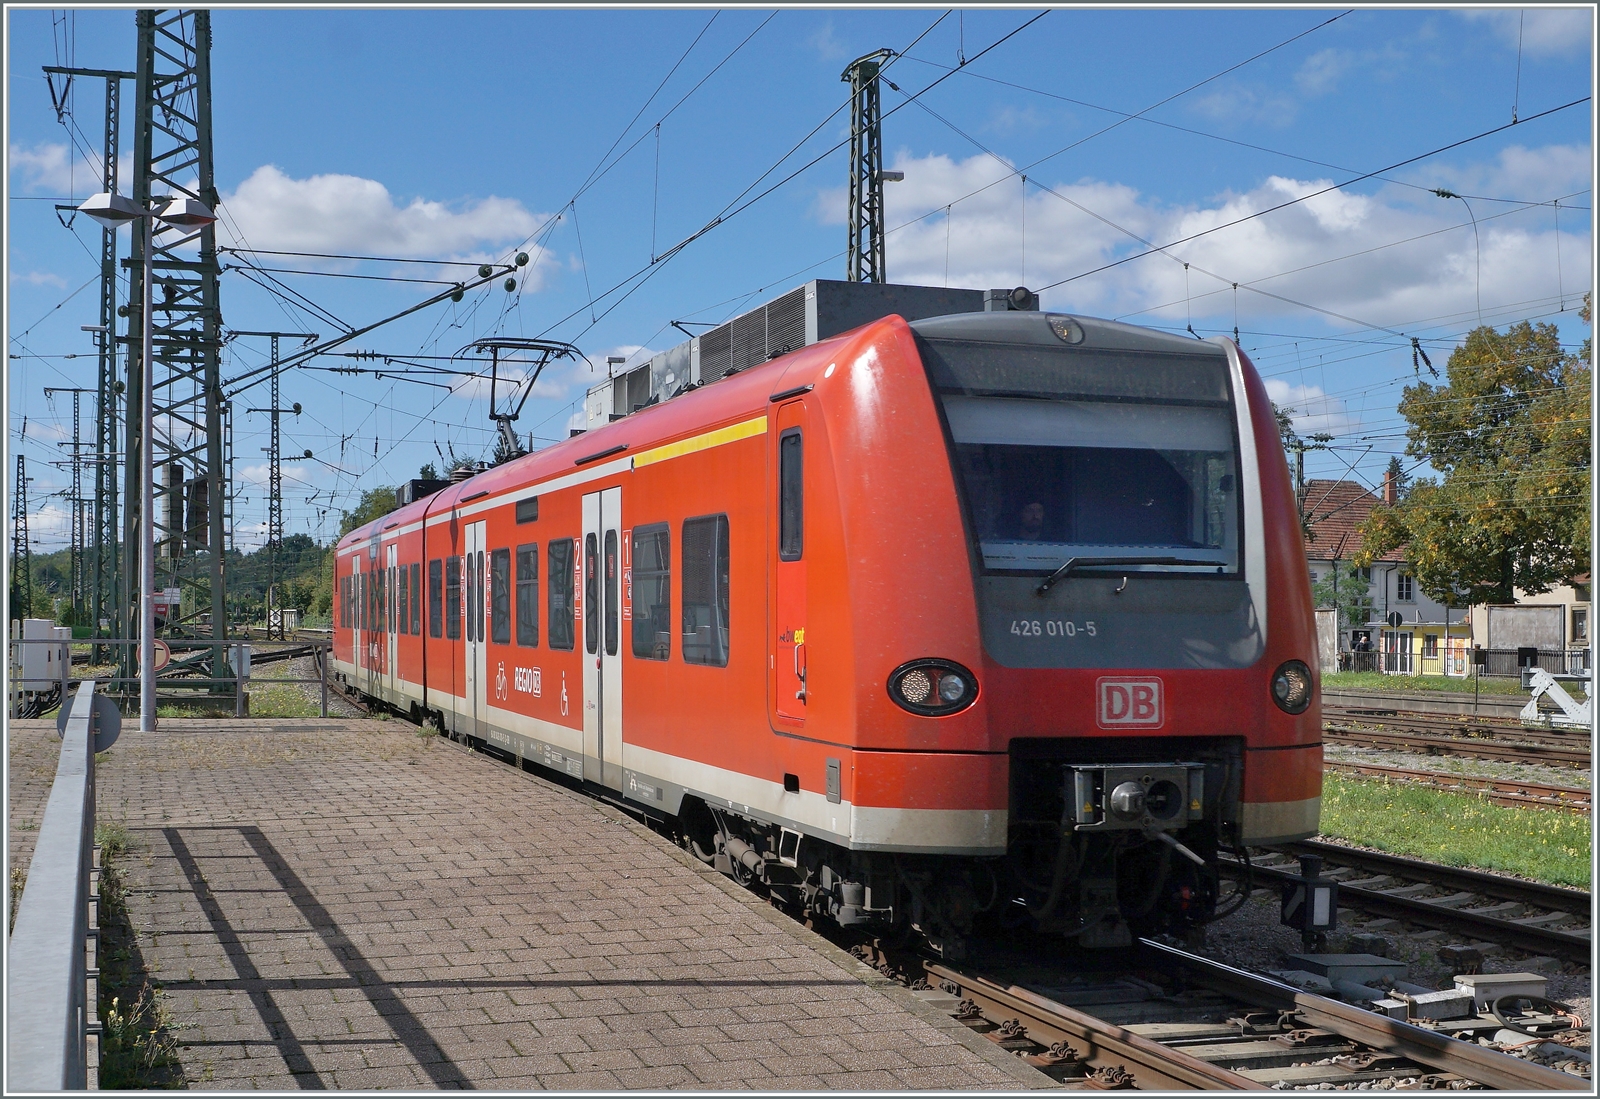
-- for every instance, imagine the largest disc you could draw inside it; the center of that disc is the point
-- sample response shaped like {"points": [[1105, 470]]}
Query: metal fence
{"points": [[177, 676], [1501, 662], [52, 979]]}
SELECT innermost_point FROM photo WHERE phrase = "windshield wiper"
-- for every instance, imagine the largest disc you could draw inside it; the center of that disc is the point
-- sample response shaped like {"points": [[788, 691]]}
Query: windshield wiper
{"points": [[1073, 562]]}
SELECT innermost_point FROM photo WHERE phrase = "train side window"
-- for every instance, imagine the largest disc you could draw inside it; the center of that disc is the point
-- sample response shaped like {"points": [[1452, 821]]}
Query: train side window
{"points": [[559, 554], [591, 594], [705, 591], [452, 597], [416, 598], [364, 599], [383, 601], [435, 598], [402, 602], [344, 606], [612, 577], [500, 596], [791, 502], [528, 595], [652, 592]]}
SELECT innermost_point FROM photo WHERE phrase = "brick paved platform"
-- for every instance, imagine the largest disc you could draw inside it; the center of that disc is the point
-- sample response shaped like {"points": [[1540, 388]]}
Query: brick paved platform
{"points": [[348, 904]]}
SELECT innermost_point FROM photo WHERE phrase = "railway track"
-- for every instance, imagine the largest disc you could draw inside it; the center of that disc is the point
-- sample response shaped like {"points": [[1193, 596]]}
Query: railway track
{"points": [[1571, 752], [1497, 791], [1167, 1019], [1531, 916], [1435, 734], [1183, 1022]]}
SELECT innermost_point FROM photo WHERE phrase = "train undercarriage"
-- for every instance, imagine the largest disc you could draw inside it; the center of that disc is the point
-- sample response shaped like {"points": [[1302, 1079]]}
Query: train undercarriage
{"points": [[1098, 853]]}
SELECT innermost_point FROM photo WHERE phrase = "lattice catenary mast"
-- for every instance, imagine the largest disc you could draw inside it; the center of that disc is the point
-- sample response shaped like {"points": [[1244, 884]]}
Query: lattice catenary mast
{"points": [[173, 157], [864, 258]]}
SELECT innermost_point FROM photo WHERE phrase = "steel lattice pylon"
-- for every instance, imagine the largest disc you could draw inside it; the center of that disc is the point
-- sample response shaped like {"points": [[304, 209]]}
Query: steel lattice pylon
{"points": [[864, 260], [21, 556], [274, 546], [172, 158], [102, 579]]}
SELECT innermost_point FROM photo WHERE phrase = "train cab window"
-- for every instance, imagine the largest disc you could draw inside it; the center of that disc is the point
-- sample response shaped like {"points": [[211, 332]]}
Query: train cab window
{"points": [[416, 597], [452, 597], [528, 595], [791, 497], [612, 570], [559, 554], [705, 591], [403, 602], [591, 594], [1069, 453], [652, 592], [435, 598], [500, 596]]}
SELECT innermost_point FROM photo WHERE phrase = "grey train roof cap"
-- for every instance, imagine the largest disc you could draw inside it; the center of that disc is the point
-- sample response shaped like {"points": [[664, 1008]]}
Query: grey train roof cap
{"points": [[1034, 328]]}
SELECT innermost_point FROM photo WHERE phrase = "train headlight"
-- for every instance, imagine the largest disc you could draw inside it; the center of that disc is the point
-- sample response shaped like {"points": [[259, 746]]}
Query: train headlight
{"points": [[1291, 687], [932, 687], [1066, 328]]}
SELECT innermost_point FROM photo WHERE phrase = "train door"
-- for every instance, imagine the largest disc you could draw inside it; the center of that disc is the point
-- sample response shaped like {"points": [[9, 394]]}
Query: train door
{"points": [[477, 654], [600, 555], [391, 664], [358, 619], [788, 630]]}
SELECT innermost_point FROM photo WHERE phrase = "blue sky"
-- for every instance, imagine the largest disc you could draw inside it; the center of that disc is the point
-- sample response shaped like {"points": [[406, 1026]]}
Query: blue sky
{"points": [[466, 135]]}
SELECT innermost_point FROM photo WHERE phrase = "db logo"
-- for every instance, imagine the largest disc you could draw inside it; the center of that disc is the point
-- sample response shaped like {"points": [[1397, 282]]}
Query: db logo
{"points": [[1129, 703]]}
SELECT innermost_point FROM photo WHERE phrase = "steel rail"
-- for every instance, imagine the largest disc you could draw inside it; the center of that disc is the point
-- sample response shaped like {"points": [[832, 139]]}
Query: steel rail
{"points": [[1533, 938], [1154, 1067], [1497, 791], [1499, 886], [1426, 1047], [1459, 746], [1450, 725]]}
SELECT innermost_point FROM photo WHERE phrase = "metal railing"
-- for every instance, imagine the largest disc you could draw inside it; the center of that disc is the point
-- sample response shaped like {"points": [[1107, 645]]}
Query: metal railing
{"points": [[52, 970], [175, 677], [1500, 662]]}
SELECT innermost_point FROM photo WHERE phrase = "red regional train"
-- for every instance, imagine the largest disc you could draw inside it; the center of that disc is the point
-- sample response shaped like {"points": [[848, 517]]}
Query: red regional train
{"points": [[998, 616]]}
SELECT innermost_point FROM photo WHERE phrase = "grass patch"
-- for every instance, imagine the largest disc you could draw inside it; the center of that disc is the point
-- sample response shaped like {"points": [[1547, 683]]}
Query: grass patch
{"points": [[19, 879], [1549, 845], [137, 1047], [1378, 681], [281, 700]]}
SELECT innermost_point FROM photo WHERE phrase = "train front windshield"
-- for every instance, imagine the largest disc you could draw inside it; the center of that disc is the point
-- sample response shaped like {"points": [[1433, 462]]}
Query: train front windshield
{"points": [[1067, 453], [1120, 454]]}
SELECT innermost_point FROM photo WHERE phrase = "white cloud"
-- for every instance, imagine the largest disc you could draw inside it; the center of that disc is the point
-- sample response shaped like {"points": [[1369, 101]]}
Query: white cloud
{"points": [[1311, 410], [37, 429], [1554, 31], [1531, 175], [981, 244], [258, 474], [1237, 105], [342, 213], [45, 167], [50, 166], [39, 278], [1320, 73], [50, 527], [827, 46]]}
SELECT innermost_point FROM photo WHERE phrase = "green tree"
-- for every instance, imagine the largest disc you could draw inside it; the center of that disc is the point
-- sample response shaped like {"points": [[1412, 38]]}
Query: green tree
{"points": [[1398, 475], [1509, 432], [374, 504], [1344, 588]]}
